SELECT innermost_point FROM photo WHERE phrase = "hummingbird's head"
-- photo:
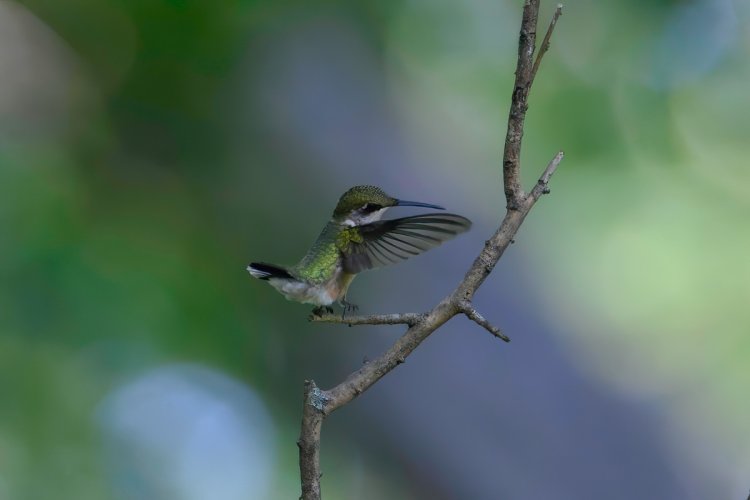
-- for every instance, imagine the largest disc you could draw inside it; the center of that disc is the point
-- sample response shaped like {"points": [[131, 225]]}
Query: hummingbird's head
{"points": [[365, 204]]}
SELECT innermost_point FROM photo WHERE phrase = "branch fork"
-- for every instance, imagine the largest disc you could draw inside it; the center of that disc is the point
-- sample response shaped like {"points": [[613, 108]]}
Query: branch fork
{"points": [[318, 403]]}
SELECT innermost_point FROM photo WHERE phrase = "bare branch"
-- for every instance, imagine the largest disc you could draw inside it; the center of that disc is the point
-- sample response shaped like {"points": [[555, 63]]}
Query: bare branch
{"points": [[309, 441], [512, 152], [545, 43], [361, 380], [410, 319], [470, 311], [317, 403]]}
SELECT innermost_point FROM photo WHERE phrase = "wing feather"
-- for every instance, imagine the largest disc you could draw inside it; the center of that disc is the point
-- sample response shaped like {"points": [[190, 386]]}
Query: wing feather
{"points": [[389, 241], [417, 248], [399, 250], [392, 253]]}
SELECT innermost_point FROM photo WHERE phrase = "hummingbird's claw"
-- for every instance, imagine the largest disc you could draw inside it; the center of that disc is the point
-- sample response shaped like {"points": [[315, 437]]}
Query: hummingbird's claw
{"points": [[348, 307], [320, 310]]}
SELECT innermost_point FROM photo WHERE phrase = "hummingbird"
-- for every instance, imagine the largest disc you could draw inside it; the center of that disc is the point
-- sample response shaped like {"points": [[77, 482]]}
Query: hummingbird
{"points": [[355, 239]]}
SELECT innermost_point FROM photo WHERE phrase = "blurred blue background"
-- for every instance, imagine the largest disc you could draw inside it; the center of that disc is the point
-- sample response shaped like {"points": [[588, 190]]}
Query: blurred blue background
{"points": [[150, 149]]}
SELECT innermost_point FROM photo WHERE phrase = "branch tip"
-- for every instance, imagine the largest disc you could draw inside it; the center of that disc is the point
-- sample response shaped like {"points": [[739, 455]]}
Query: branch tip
{"points": [[542, 185], [545, 43], [551, 167]]}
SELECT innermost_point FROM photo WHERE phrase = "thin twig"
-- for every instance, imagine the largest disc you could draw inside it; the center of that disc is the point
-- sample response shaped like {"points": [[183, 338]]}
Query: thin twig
{"points": [[542, 185], [470, 311], [545, 43], [376, 319], [318, 404]]}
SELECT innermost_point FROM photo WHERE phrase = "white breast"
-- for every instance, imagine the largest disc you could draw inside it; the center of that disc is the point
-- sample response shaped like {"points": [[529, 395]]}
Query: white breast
{"points": [[299, 291]]}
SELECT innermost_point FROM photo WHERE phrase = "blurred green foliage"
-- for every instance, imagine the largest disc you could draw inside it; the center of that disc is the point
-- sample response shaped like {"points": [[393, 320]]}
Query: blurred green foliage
{"points": [[141, 167]]}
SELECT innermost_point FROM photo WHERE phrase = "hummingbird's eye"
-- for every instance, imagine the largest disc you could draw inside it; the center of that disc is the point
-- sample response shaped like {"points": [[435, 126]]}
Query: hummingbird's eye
{"points": [[371, 207]]}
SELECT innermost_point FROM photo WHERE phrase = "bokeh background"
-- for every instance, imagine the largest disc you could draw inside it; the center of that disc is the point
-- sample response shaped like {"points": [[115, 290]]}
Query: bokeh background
{"points": [[149, 149]]}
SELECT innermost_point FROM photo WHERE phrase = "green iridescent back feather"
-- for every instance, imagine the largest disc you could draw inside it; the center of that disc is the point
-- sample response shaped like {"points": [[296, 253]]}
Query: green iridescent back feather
{"points": [[320, 262]]}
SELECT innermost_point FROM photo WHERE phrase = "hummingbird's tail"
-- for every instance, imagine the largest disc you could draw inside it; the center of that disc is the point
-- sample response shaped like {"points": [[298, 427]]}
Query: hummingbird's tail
{"points": [[264, 271]]}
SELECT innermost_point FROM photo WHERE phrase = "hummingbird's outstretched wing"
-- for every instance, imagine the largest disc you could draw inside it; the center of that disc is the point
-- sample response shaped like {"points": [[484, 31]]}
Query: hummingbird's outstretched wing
{"points": [[389, 241]]}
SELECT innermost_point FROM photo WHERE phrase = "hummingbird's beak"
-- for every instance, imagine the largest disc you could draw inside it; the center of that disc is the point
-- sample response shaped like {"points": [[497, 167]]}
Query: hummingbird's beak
{"points": [[404, 203]]}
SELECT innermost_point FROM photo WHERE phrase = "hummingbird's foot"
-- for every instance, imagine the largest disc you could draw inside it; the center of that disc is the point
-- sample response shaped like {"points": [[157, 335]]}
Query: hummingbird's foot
{"points": [[348, 307], [320, 310]]}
